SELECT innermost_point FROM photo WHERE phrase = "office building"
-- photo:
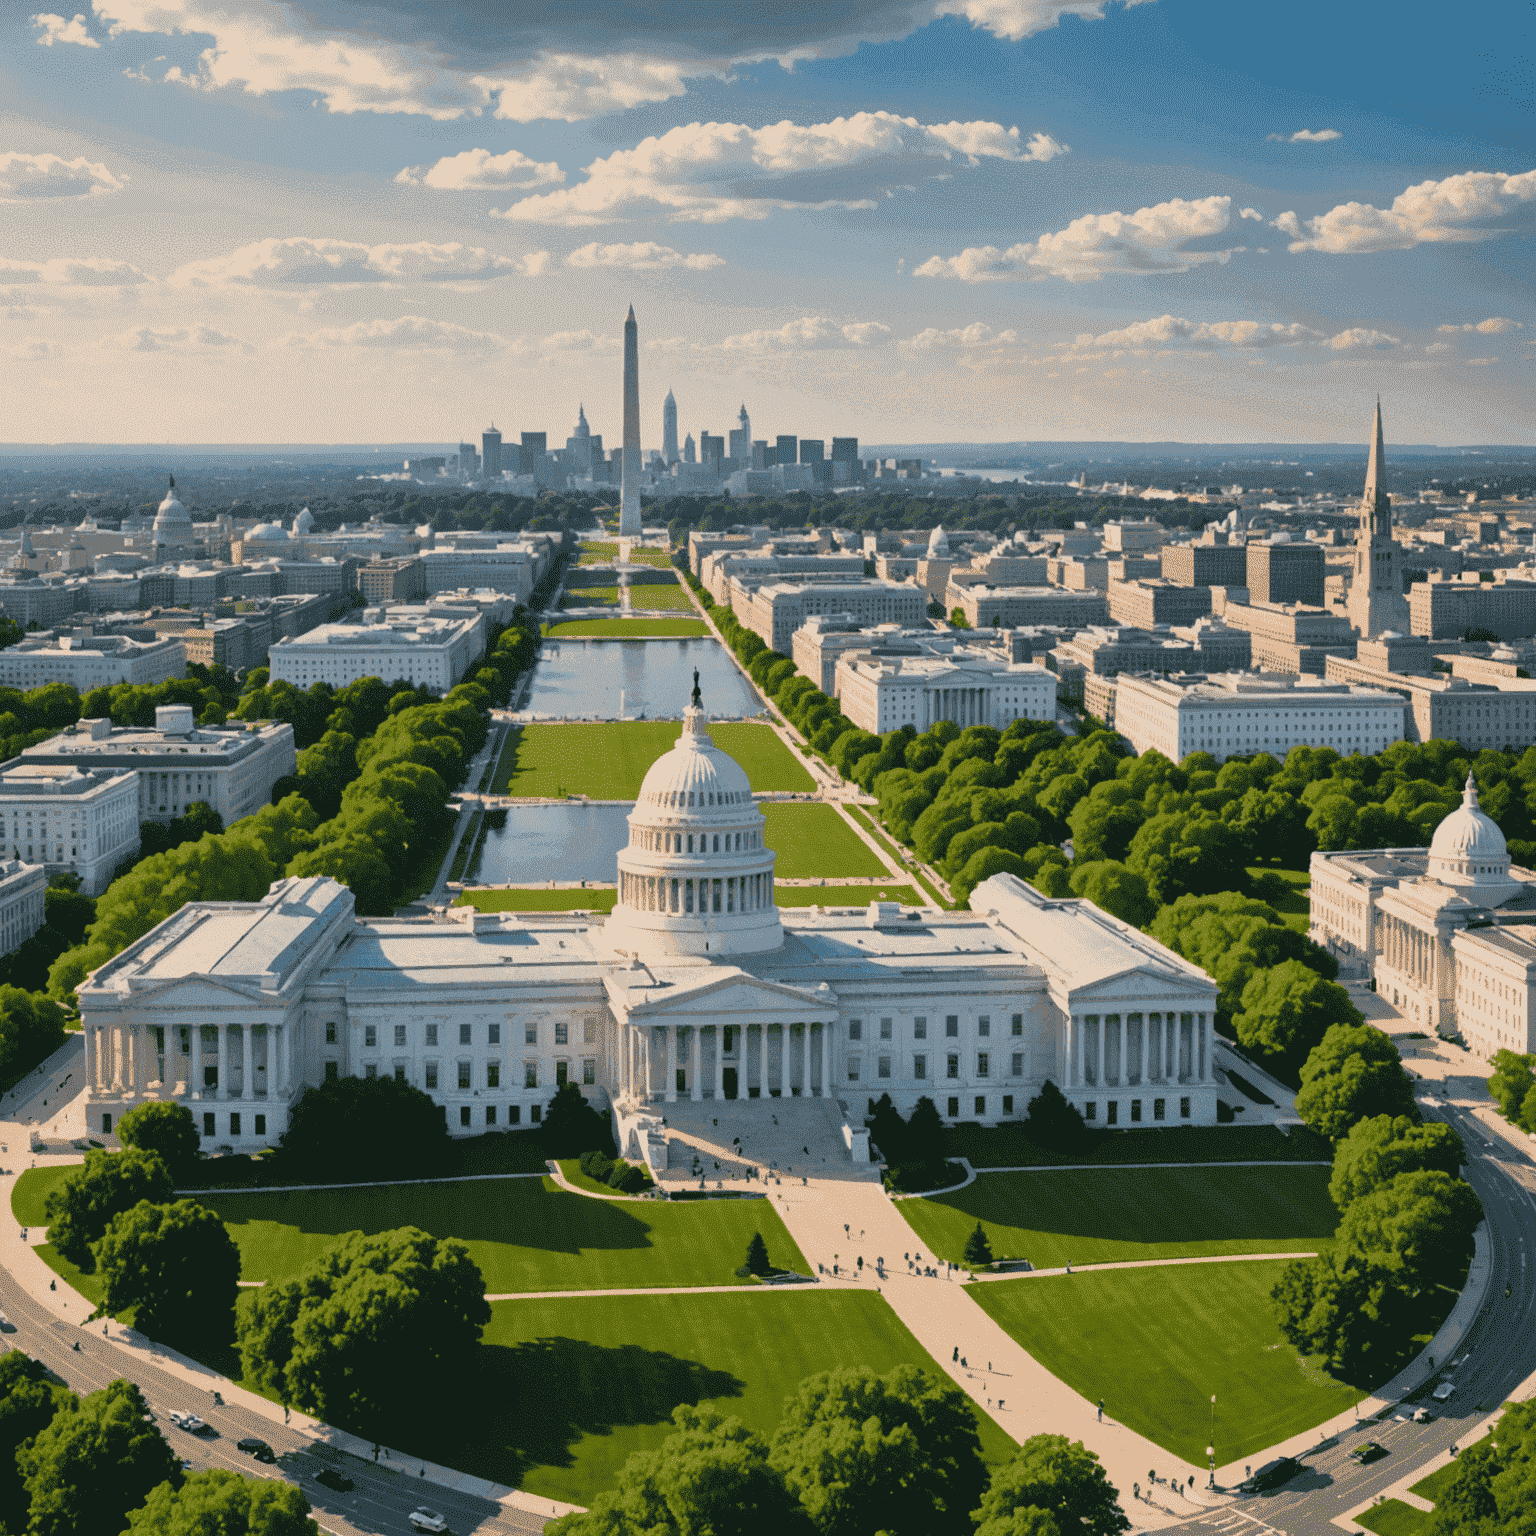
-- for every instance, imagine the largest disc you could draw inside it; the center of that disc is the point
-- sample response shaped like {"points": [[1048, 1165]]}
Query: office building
{"points": [[68, 820], [533, 453], [23, 892], [669, 452], [1448, 610], [1206, 565], [431, 651], [882, 693], [1009, 607], [741, 441], [1146, 604], [1293, 639], [786, 449], [777, 610], [401, 580], [1283, 572], [845, 460], [85, 660], [490, 454], [509, 568]]}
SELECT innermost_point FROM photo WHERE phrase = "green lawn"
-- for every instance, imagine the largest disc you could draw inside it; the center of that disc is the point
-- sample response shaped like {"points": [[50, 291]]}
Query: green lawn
{"points": [[628, 629], [525, 1234], [845, 895], [541, 899], [1433, 1487], [1393, 1518], [1094, 1215], [1007, 1146], [876, 831], [576, 1387], [813, 840], [31, 1190], [609, 759], [652, 595], [92, 1287], [1295, 906], [1156, 1344], [600, 552]]}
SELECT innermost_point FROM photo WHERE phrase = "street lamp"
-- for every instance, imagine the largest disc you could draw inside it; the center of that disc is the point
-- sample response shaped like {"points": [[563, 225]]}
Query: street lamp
{"points": [[1210, 1452]]}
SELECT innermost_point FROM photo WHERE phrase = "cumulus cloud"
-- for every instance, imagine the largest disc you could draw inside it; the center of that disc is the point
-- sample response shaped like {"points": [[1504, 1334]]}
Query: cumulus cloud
{"points": [[410, 333], [579, 341], [304, 262], [1470, 206], [1358, 338], [54, 29], [810, 333], [1152, 239], [186, 340], [1494, 325], [1436, 347], [642, 256], [710, 172], [974, 335], [1173, 331], [23, 177], [478, 170], [72, 272], [1305, 136], [1481, 362]]}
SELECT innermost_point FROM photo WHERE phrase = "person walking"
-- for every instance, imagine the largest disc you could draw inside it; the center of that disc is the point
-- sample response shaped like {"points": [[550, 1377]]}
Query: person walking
{"points": [[1101, 1410]]}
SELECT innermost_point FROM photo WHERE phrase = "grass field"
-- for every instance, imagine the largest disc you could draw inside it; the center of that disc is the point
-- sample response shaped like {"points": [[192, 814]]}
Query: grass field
{"points": [[578, 1386], [1433, 1487], [541, 899], [1095, 1215], [600, 552], [1007, 1146], [525, 1234], [655, 595], [1392, 1517], [31, 1193], [1295, 906], [608, 760], [844, 895], [1155, 1344], [627, 629], [877, 832], [813, 841]]}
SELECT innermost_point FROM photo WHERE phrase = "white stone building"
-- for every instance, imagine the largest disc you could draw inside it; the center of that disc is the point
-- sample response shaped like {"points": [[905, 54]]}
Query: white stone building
{"points": [[69, 820], [882, 693], [178, 763], [1236, 714], [697, 988], [775, 611], [419, 648], [510, 568], [23, 888], [1447, 933], [85, 661]]}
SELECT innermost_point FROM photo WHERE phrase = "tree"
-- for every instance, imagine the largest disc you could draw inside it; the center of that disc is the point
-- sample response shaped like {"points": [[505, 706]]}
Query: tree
{"points": [[28, 1401], [31, 1026], [159, 1125], [1494, 1488], [177, 1266], [925, 1132], [94, 1462], [572, 1126], [1113, 888], [711, 1478], [1511, 1082], [364, 1128], [1288, 1008], [375, 1311], [1052, 1121], [978, 1251], [1376, 1150], [223, 1501], [1190, 852], [107, 1183], [1354, 1072], [1420, 1226], [1059, 1477], [864, 1453], [982, 866], [757, 1255]]}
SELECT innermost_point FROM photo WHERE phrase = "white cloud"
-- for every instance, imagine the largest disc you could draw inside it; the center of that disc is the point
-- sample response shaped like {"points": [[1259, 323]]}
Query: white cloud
{"points": [[1436, 347], [580, 341], [810, 333], [192, 339], [1149, 240], [1306, 136], [1481, 362], [72, 272], [34, 350], [1495, 325], [709, 172], [642, 256], [28, 176], [1173, 331], [1015, 20], [1250, 213], [974, 335], [299, 261], [413, 333], [55, 29], [478, 170], [1464, 207], [1358, 338]]}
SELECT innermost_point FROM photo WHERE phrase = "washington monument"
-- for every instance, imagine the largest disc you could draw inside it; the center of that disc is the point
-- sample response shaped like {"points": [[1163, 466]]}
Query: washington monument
{"points": [[629, 497]]}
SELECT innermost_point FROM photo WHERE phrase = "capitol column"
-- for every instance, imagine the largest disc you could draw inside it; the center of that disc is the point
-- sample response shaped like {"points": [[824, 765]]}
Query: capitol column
{"points": [[784, 1049], [719, 1062], [826, 1059], [670, 1083], [763, 1091], [805, 1069], [695, 1064], [195, 1071], [1122, 1077], [223, 1089], [247, 1062], [1101, 1077]]}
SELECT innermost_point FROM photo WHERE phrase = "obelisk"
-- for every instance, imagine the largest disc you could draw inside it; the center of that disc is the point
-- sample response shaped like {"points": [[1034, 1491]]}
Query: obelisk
{"points": [[629, 498]]}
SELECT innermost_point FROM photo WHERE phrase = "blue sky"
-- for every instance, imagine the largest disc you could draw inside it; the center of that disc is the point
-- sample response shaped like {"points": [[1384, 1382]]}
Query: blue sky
{"points": [[250, 220]]}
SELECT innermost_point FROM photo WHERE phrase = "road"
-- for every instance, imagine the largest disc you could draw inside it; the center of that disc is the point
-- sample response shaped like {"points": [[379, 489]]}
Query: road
{"points": [[1495, 1356], [380, 1499]]}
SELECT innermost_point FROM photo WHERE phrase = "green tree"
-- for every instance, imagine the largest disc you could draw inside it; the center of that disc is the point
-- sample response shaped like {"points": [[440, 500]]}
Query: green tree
{"points": [[376, 1310], [159, 1125], [1059, 1477], [1189, 852], [1376, 1150], [711, 1478], [982, 866], [1288, 1008], [93, 1463], [104, 1185], [31, 1027], [1494, 1487], [757, 1255], [223, 1502], [177, 1266], [895, 1454], [1511, 1082], [29, 1399], [1115, 889], [572, 1126], [978, 1251], [1353, 1073], [1420, 1226], [364, 1128], [1052, 1121]]}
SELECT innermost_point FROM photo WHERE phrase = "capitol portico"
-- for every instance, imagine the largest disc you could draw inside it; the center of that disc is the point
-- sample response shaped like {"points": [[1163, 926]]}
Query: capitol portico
{"points": [[696, 988]]}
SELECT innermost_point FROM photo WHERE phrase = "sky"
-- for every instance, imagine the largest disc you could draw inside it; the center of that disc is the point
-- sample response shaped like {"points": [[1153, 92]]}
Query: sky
{"points": [[906, 220]]}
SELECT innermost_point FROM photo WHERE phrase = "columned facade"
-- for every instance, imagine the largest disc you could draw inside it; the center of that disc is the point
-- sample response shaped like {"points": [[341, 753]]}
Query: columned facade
{"points": [[781, 1058]]}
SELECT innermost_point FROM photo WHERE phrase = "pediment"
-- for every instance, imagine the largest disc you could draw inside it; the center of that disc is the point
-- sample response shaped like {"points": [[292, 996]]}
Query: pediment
{"points": [[689, 997], [196, 993], [1142, 983]]}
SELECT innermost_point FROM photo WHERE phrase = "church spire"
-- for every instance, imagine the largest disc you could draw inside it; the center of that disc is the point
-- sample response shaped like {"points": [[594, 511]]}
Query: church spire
{"points": [[1375, 470]]}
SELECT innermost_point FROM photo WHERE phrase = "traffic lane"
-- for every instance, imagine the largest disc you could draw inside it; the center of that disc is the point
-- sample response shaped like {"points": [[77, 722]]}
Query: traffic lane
{"points": [[390, 1496]]}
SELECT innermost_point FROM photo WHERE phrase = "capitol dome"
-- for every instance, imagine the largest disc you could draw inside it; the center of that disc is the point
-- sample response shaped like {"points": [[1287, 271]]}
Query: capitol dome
{"points": [[265, 533], [304, 522], [1469, 851], [938, 544], [173, 523], [696, 877]]}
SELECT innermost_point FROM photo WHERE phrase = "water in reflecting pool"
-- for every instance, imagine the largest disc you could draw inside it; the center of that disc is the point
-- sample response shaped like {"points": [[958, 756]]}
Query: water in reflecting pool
{"points": [[563, 842], [586, 680]]}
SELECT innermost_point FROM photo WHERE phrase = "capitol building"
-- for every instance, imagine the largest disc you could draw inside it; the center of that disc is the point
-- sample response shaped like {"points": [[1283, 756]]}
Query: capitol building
{"points": [[697, 988]]}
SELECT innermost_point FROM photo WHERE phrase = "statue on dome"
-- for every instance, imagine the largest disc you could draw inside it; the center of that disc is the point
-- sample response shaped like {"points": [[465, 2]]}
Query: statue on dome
{"points": [[698, 698]]}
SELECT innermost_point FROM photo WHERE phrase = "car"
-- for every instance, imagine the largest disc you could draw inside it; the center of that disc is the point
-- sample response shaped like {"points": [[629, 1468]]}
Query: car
{"points": [[331, 1478], [257, 1448], [1371, 1451], [6, 1325], [1443, 1391], [1423, 1416], [424, 1519], [187, 1421], [1273, 1474]]}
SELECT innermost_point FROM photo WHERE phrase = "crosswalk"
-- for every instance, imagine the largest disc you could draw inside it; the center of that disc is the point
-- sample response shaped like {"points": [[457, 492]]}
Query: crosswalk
{"points": [[1233, 1522]]}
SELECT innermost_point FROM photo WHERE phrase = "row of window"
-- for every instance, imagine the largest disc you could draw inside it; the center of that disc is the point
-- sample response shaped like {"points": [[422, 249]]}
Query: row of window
{"points": [[920, 1027], [464, 1074], [432, 1034], [951, 1066], [494, 1114], [1112, 1110]]}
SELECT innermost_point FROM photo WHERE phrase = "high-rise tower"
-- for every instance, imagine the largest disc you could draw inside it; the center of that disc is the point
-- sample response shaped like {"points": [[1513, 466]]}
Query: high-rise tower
{"points": [[629, 497], [1376, 602], [669, 430], [741, 440]]}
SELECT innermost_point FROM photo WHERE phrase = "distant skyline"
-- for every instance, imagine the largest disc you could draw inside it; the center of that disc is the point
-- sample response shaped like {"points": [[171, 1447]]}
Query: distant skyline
{"points": [[923, 221]]}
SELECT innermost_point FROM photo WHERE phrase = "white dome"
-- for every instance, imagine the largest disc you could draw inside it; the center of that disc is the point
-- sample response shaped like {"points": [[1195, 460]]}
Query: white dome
{"points": [[1469, 850], [266, 533], [938, 544], [304, 522], [695, 779], [171, 515]]}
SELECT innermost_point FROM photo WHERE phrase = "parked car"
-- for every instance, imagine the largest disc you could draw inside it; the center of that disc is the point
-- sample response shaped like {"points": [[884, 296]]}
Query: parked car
{"points": [[6, 1325], [187, 1421], [424, 1519], [257, 1448], [339, 1481], [1273, 1474], [1423, 1416], [1372, 1450], [1443, 1391]]}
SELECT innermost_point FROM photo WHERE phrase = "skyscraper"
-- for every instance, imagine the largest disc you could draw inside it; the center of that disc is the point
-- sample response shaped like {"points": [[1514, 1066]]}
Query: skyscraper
{"points": [[669, 429], [629, 494], [1376, 602], [690, 454], [490, 453], [741, 440]]}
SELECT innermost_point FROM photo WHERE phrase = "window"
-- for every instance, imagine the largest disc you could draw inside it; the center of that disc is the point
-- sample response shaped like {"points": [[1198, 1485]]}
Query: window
{"points": [[464, 1034], [536, 1114], [853, 1069], [493, 1074], [530, 1074], [463, 1114], [106, 1125], [234, 1124], [983, 1064], [432, 1034], [490, 1114], [884, 1066], [920, 1028], [431, 1075], [261, 1125], [1018, 1064], [1090, 1111], [1007, 1103], [464, 1076], [370, 1035], [981, 1104], [209, 1126], [589, 1072], [984, 1024], [330, 1031], [399, 1036], [493, 1034], [855, 1029], [332, 1072], [1159, 1109], [885, 1029], [1183, 1109], [952, 1026], [1135, 1111], [530, 1034], [952, 1066], [371, 1071], [515, 1114], [952, 1108], [399, 1071], [920, 1067], [1018, 1024]]}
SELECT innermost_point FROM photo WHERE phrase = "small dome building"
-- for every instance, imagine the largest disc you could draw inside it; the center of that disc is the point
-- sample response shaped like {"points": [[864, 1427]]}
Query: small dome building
{"points": [[269, 536], [173, 523]]}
